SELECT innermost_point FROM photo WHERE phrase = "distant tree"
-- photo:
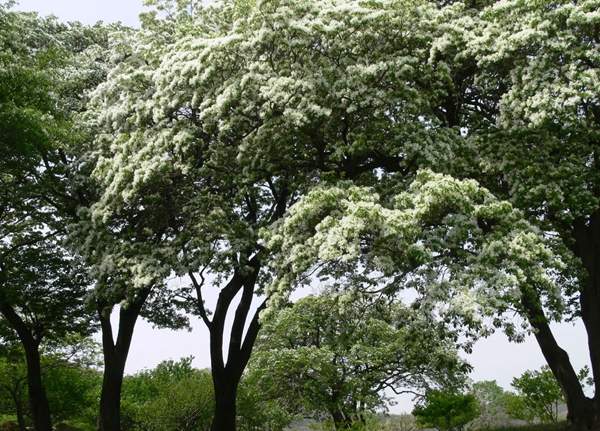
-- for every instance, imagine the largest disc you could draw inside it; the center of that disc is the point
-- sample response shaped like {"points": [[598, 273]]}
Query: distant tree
{"points": [[538, 397], [73, 384], [257, 411], [335, 354], [446, 410], [173, 395], [492, 400], [403, 422]]}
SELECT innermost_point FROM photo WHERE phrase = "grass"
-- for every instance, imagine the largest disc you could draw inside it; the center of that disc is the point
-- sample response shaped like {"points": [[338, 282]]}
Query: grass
{"points": [[542, 427]]}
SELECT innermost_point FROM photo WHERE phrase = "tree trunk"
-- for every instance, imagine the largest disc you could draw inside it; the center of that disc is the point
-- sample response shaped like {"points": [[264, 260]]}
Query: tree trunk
{"points": [[110, 398], [40, 410], [581, 412], [225, 403], [585, 415], [115, 358]]}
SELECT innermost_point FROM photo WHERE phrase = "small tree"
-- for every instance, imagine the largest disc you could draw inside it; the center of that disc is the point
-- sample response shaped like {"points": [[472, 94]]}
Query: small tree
{"points": [[492, 400], [333, 355], [446, 410], [538, 397], [176, 396]]}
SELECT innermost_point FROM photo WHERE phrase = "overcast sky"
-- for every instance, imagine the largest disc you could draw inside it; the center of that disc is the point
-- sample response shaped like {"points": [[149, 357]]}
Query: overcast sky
{"points": [[87, 11], [493, 358]]}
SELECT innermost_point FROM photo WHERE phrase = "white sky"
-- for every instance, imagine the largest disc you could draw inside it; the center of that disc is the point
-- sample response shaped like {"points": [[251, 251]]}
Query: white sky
{"points": [[493, 358], [87, 11]]}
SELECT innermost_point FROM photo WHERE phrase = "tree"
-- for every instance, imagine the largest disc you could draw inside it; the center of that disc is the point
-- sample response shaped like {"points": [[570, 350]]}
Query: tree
{"points": [[538, 397], [520, 90], [42, 285], [493, 405], [533, 68], [48, 69], [446, 410], [335, 354], [257, 412], [201, 141], [73, 382]]}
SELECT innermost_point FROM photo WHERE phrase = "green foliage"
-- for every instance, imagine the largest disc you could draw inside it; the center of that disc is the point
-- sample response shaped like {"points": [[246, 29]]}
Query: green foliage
{"points": [[171, 396], [334, 354], [403, 422], [39, 280], [256, 410], [13, 382], [543, 427], [72, 391], [72, 384], [538, 397], [176, 396], [446, 410]]}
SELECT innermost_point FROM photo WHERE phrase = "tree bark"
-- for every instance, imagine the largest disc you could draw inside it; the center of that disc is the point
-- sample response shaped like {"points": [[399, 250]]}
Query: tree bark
{"points": [[115, 357], [586, 233], [583, 412], [225, 402], [40, 409]]}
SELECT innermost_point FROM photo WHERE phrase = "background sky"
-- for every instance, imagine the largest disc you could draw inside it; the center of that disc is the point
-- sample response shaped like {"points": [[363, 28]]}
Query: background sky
{"points": [[493, 358], [87, 11]]}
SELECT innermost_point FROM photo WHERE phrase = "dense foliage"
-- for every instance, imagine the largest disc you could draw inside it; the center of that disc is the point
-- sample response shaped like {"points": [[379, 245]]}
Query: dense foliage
{"points": [[446, 410]]}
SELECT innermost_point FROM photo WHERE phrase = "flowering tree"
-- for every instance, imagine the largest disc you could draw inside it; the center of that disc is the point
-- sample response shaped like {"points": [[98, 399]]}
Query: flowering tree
{"points": [[537, 76], [215, 120], [208, 132], [523, 91], [465, 253]]}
